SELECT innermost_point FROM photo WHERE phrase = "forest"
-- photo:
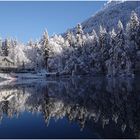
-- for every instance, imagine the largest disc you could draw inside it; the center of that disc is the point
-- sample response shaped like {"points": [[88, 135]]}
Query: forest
{"points": [[114, 53]]}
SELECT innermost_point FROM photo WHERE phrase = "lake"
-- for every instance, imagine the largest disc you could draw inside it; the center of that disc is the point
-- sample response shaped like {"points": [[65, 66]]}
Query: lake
{"points": [[81, 107]]}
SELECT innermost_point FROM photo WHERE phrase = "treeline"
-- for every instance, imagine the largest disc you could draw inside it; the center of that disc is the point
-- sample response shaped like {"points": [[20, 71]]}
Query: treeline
{"points": [[112, 53]]}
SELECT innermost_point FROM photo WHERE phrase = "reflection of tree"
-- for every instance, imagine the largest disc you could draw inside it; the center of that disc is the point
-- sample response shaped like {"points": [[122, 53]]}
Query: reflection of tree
{"points": [[101, 100]]}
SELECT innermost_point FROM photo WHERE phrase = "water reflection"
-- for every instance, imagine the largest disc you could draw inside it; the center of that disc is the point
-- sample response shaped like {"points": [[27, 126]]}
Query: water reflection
{"points": [[100, 101]]}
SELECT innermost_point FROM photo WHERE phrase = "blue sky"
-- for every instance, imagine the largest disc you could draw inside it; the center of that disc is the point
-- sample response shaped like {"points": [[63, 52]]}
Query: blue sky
{"points": [[27, 20]]}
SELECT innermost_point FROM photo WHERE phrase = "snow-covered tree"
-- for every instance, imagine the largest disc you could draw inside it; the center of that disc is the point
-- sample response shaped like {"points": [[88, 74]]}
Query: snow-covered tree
{"points": [[133, 40], [110, 63], [79, 35], [133, 30], [71, 39], [57, 46], [13, 45], [20, 55], [119, 63], [1, 53], [30, 43], [104, 47], [35, 55], [46, 47], [6, 47]]}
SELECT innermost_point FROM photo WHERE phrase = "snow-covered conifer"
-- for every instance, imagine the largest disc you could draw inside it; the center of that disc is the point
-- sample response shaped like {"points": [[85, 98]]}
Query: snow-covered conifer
{"points": [[79, 35], [133, 39], [6, 47], [46, 47], [110, 63], [104, 47], [1, 53]]}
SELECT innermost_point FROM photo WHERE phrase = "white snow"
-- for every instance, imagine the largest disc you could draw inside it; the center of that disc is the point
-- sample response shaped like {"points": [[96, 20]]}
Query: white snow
{"points": [[107, 43]]}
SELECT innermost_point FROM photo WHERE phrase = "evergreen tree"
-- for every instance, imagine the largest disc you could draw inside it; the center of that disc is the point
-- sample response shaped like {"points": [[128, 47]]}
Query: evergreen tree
{"points": [[119, 63], [96, 54], [69, 38], [120, 53], [133, 39], [46, 47], [104, 47], [13, 45], [30, 43], [6, 47], [79, 35], [1, 53], [110, 63], [133, 30]]}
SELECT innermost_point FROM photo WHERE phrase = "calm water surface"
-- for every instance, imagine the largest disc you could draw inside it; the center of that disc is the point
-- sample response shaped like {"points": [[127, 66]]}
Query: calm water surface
{"points": [[70, 108]]}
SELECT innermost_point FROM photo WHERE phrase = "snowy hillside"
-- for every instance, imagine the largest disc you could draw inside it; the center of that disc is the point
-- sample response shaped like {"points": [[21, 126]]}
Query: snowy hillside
{"points": [[110, 14]]}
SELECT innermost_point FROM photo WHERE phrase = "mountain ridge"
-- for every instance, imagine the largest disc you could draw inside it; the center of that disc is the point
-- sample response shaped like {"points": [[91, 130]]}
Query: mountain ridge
{"points": [[109, 16]]}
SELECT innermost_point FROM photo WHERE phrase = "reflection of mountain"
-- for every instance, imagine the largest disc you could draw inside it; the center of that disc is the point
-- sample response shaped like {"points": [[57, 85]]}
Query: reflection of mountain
{"points": [[102, 101]]}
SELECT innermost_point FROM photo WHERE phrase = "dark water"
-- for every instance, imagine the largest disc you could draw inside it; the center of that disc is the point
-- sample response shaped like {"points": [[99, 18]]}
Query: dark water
{"points": [[70, 108]]}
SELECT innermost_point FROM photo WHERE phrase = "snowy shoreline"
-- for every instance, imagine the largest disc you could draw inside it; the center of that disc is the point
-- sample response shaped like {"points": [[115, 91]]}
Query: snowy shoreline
{"points": [[45, 76]]}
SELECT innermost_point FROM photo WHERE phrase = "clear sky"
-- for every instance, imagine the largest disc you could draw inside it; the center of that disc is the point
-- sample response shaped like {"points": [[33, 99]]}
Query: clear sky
{"points": [[28, 20]]}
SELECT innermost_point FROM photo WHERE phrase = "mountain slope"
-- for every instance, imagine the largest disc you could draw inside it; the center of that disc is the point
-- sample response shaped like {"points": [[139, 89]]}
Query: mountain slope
{"points": [[109, 16]]}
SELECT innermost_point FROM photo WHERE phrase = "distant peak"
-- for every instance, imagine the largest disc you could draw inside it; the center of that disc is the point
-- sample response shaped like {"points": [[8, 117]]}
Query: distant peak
{"points": [[111, 3]]}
